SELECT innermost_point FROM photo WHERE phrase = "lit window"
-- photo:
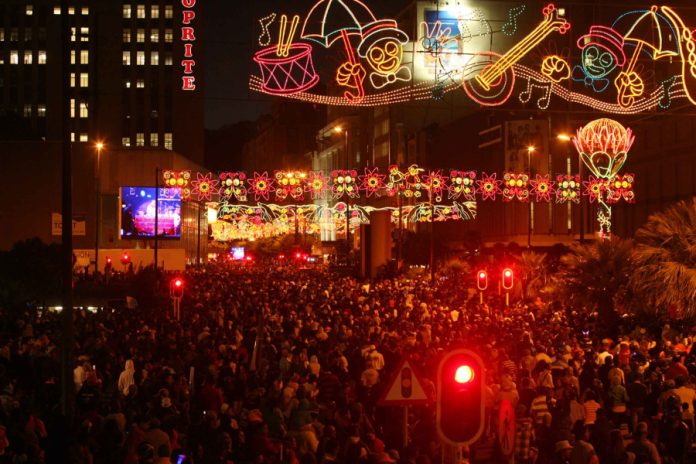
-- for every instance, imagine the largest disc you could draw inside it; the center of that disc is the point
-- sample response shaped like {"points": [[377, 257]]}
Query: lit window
{"points": [[141, 11], [126, 58], [84, 34], [30, 10], [84, 80], [56, 10], [72, 107], [126, 11], [126, 35], [41, 111], [2, 34], [28, 57], [14, 57], [154, 58], [140, 83], [72, 79], [140, 36], [42, 56], [154, 36], [27, 111], [72, 136], [168, 141], [84, 138], [84, 56], [168, 35], [140, 58], [168, 11], [154, 140], [84, 112], [14, 34], [72, 34], [73, 53], [85, 10], [167, 59], [139, 139], [125, 141], [71, 10], [154, 12], [27, 34], [127, 84]]}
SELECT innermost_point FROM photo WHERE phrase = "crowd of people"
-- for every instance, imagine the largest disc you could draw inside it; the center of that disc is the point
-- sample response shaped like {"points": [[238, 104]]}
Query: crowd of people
{"points": [[283, 365]]}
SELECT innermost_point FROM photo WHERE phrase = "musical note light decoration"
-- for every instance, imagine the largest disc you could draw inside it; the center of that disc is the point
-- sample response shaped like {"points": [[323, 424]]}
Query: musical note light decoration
{"points": [[603, 146]]}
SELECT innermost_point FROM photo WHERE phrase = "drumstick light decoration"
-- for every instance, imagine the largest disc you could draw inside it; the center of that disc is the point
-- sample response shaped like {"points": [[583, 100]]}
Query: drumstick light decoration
{"points": [[284, 43]]}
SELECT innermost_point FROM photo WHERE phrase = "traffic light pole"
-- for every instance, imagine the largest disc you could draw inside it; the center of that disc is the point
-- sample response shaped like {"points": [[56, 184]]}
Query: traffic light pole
{"points": [[156, 224]]}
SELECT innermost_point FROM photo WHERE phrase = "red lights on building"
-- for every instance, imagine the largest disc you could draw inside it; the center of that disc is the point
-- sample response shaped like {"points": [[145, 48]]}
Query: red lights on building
{"points": [[188, 36]]}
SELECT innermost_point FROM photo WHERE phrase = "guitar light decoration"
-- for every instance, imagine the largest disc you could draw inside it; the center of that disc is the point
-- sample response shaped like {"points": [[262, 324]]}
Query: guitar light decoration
{"points": [[204, 186], [489, 186], [515, 187], [603, 146]]}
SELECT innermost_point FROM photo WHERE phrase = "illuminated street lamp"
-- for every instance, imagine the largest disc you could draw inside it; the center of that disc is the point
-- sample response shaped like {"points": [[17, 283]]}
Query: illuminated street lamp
{"points": [[530, 150], [565, 138], [97, 180]]}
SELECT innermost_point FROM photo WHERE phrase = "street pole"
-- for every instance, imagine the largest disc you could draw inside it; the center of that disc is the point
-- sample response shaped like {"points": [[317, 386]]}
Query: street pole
{"points": [[582, 215], [198, 243], [432, 236], [156, 222], [97, 182], [401, 230], [529, 213], [68, 335]]}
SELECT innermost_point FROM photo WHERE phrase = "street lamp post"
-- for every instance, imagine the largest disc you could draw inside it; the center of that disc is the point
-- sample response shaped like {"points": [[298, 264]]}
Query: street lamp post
{"points": [[566, 138], [97, 181], [339, 130], [530, 149]]}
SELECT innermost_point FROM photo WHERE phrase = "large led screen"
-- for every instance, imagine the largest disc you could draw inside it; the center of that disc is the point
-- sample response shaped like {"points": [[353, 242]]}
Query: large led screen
{"points": [[138, 212]]}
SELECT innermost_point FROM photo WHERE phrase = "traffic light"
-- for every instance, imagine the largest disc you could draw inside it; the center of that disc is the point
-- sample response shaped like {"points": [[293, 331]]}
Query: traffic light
{"points": [[482, 280], [508, 278], [460, 397], [176, 288], [125, 259]]}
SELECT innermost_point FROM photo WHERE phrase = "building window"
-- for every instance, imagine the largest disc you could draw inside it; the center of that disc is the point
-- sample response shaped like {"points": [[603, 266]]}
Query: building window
{"points": [[126, 36], [154, 12], [73, 54], [27, 34], [14, 57], [167, 59], [141, 11], [168, 141], [127, 11], [56, 10], [84, 34], [71, 10], [84, 56], [140, 36], [154, 140], [72, 107], [168, 11], [127, 84], [2, 34], [30, 10], [84, 80], [41, 111], [72, 136], [126, 58], [72, 79], [154, 36], [28, 57], [154, 58], [27, 111], [42, 57], [14, 35], [125, 141], [84, 111], [139, 139], [84, 138], [85, 10], [140, 83], [168, 35], [72, 34], [140, 58]]}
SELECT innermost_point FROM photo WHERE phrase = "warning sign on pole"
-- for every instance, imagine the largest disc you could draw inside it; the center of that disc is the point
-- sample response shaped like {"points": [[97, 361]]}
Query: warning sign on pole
{"points": [[506, 428], [404, 388]]}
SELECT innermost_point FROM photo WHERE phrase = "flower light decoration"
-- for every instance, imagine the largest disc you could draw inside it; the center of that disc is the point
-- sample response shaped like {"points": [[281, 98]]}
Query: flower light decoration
{"points": [[603, 146], [344, 183], [436, 183], [462, 183], [542, 188], [178, 179], [594, 188], [204, 186], [515, 186], [232, 185], [372, 182], [489, 186], [261, 185], [567, 188], [621, 186], [317, 185], [289, 183]]}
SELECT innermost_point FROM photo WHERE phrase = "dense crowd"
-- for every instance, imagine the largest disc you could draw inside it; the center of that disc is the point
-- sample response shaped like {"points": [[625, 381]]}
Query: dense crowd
{"points": [[282, 365]]}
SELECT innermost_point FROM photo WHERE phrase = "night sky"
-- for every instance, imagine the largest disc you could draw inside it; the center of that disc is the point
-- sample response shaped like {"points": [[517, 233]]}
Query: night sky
{"points": [[231, 32]]}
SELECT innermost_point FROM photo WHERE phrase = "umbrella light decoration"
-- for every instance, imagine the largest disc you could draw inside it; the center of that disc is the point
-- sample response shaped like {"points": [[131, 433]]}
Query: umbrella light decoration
{"points": [[603, 146], [379, 64]]}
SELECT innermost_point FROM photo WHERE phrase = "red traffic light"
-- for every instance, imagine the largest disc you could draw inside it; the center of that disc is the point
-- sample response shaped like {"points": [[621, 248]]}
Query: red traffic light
{"points": [[482, 280], [298, 255], [464, 374], [508, 278], [460, 397], [125, 259], [108, 260], [281, 256], [178, 282], [176, 288]]}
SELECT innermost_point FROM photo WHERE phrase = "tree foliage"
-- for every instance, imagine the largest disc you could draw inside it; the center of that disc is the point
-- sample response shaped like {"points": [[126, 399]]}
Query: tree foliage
{"points": [[533, 270]]}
